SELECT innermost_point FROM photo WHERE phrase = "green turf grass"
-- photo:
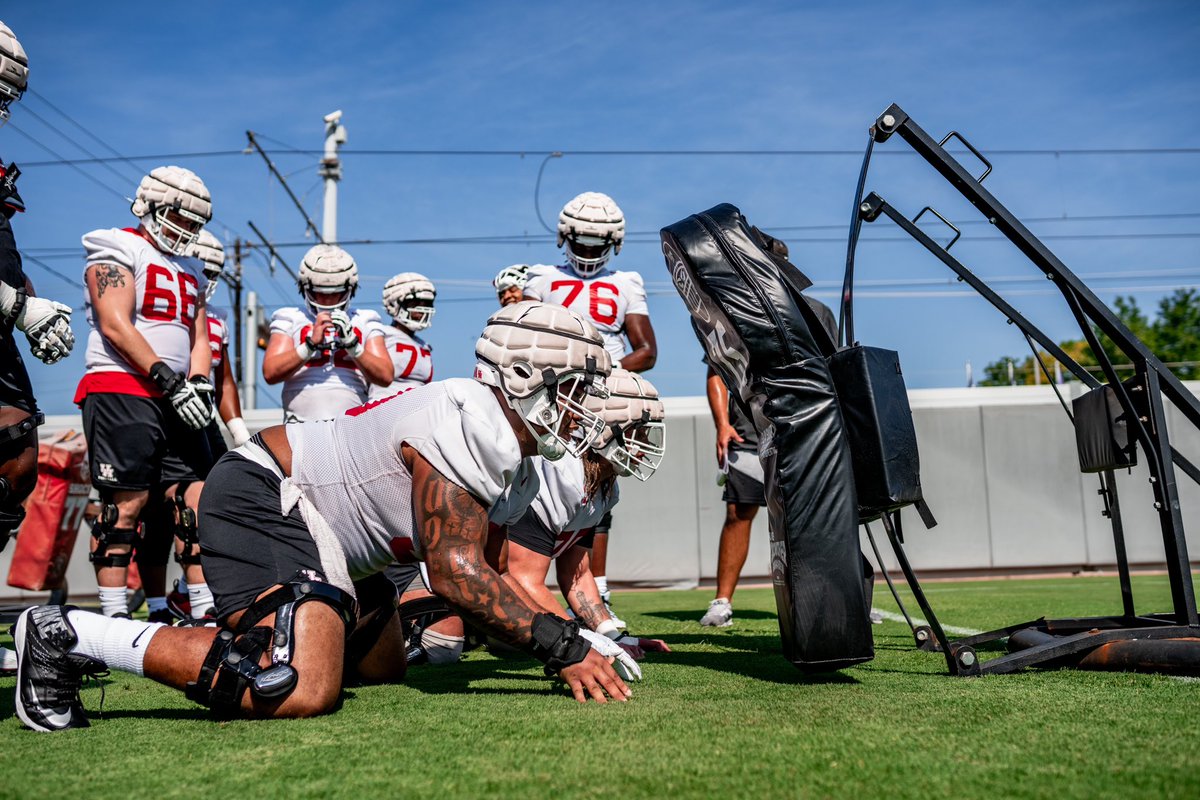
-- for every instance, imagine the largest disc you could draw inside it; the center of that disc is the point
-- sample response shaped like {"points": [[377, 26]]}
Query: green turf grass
{"points": [[724, 716]]}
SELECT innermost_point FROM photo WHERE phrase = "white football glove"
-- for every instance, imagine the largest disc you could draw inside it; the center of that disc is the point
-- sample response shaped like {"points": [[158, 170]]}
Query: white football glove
{"points": [[193, 402], [47, 324], [623, 663], [347, 337]]}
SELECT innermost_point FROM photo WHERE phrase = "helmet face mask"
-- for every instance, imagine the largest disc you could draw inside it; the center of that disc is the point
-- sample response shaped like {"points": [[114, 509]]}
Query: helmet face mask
{"points": [[408, 298], [634, 436], [591, 228], [328, 278], [548, 362]]}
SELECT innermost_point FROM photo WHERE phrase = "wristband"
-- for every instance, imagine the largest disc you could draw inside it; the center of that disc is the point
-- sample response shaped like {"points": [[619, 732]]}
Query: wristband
{"points": [[167, 379], [557, 643], [238, 430], [305, 351], [609, 628]]}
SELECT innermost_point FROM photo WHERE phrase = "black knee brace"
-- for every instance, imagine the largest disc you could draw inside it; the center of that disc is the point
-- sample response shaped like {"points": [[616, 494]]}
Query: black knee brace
{"points": [[231, 665], [185, 527], [378, 600], [11, 513], [13, 432], [106, 533]]}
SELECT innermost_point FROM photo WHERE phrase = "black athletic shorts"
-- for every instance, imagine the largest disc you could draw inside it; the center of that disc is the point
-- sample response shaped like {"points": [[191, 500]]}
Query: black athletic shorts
{"points": [[139, 443], [405, 577], [15, 388], [246, 545], [743, 489], [532, 534], [605, 524]]}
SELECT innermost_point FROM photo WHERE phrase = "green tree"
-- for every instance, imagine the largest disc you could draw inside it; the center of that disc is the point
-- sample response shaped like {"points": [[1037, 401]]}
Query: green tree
{"points": [[1173, 336]]}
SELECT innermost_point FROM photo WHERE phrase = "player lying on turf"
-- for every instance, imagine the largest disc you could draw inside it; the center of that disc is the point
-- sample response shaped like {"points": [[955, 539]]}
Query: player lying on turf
{"points": [[552, 508], [409, 476]]}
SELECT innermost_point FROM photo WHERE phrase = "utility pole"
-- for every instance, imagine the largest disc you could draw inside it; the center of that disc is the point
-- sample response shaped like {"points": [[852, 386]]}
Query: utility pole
{"points": [[331, 171], [237, 305], [250, 352]]}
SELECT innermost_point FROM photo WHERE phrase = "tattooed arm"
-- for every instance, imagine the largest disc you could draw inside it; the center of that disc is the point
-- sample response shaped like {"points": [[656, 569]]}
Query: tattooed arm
{"points": [[579, 586], [453, 527], [113, 295]]}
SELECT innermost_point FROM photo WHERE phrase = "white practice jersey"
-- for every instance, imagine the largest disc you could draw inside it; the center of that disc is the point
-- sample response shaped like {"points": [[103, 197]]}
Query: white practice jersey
{"points": [[168, 290], [554, 492], [218, 340], [605, 298], [350, 467], [412, 361], [331, 382]]}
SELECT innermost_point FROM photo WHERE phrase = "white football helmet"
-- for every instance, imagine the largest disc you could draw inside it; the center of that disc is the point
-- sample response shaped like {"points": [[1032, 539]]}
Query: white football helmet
{"points": [[409, 294], [14, 70], [327, 270], [592, 228], [211, 252], [173, 205], [507, 278], [546, 360], [634, 438]]}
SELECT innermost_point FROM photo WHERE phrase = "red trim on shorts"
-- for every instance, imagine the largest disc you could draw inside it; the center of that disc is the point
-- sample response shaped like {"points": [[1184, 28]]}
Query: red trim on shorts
{"points": [[115, 383]]}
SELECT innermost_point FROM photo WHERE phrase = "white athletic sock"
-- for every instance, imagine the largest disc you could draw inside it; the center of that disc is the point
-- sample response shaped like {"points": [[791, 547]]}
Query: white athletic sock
{"points": [[118, 643], [602, 584], [112, 600], [156, 604], [201, 599]]}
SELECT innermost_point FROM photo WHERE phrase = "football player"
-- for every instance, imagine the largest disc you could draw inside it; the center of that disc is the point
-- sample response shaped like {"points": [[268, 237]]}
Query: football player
{"points": [[150, 553], [591, 228], [408, 299], [146, 395], [327, 355], [551, 513], [45, 323], [409, 476], [510, 284]]}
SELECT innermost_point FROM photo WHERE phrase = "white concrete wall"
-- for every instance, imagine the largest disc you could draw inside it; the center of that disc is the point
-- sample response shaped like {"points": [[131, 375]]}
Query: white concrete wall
{"points": [[998, 466]]}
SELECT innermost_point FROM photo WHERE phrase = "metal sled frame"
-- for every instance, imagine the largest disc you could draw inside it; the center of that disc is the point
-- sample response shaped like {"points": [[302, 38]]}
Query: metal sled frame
{"points": [[1141, 400]]}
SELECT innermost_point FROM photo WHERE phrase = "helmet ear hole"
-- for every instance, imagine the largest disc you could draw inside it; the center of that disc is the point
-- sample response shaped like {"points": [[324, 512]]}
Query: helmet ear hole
{"points": [[523, 369]]}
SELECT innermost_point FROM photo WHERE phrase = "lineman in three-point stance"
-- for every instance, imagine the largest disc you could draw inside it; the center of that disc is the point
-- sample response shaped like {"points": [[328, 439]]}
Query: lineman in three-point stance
{"points": [[591, 228], [412, 475], [146, 395]]}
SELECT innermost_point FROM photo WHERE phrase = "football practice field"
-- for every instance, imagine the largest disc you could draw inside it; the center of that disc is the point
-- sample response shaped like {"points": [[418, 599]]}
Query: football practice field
{"points": [[723, 716]]}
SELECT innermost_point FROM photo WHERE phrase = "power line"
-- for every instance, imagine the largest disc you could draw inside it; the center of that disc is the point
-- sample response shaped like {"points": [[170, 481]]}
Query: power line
{"points": [[1065, 151], [87, 132], [87, 175], [52, 270], [69, 140]]}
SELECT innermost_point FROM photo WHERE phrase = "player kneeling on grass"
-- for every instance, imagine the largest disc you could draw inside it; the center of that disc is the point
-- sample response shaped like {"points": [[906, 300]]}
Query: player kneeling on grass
{"points": [[553, 506], [409, 476]]}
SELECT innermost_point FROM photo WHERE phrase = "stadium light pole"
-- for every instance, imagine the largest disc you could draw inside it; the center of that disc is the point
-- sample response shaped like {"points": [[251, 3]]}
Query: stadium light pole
{"points": [[250, 351], [331, 171]]}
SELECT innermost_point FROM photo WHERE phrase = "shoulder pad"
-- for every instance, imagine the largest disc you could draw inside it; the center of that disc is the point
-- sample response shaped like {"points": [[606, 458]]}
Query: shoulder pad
{"points": [[111, 246]]}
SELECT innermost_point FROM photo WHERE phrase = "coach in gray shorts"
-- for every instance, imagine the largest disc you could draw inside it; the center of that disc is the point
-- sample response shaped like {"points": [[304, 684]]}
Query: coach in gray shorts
{"points": [[737, 455]]}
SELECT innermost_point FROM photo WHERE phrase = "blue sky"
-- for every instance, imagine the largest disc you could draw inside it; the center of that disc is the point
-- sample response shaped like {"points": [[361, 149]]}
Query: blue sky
{"points": [[537, 76]]}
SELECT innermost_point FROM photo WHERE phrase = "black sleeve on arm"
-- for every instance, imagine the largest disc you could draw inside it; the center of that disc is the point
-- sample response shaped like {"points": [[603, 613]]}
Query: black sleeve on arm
{"points": [[10, 260]]}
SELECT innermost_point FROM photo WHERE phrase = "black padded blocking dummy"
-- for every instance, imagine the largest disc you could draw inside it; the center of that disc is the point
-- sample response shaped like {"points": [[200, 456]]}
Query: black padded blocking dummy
{"points": [[769, 346]]}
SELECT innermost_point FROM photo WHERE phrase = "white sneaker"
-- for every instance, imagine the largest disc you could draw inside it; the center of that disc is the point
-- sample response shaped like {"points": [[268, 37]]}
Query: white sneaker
{"points": [[719, 614], [876, 617], [620, 623]]}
